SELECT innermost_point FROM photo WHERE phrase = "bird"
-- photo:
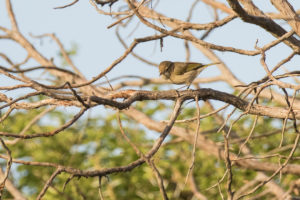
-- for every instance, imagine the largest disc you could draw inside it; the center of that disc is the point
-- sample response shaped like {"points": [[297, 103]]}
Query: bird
{"points": [[181, 72]]}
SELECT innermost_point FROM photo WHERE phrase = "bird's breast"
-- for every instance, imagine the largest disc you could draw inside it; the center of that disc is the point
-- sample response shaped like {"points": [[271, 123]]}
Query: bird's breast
{"points": [[186, 78]]}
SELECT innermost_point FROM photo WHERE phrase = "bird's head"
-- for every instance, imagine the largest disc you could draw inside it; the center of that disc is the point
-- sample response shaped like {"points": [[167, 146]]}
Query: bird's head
{"points": [[164, 67]]}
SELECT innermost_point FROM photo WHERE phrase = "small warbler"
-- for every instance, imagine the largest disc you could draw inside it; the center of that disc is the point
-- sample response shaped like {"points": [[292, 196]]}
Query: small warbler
{"points": [[181, 72]]}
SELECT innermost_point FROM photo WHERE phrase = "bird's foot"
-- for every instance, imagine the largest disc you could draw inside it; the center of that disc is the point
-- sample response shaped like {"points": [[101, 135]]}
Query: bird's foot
{"points": [[178, 94]]}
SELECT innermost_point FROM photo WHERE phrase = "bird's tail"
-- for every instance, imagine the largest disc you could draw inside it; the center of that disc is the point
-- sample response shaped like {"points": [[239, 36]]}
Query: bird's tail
{"points": [[212, 64]]}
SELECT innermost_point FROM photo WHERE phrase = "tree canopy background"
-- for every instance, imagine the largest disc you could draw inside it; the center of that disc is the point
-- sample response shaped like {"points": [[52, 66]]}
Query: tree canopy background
{"points": [[84, 114]]}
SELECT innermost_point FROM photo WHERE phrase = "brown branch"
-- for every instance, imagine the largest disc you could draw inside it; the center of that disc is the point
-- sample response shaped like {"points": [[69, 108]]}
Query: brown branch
{"points": [[287, 11], [44, 102], [203, 94], [13, 190], [46, 134], [49, 182], [266, 23], [218, 5], [275, 81], [228, 165], [103, 2], [63, 51], [194, 189], [11, 102], [189, 37], [209, 146], [227, 75], [11, 16], [249, 135], [100, 188], [37, 68], [132, 53], [201, 116], [30, 124], [121, 58], [191, 167], [129, 167], [15, 87], [65, 6], [158, 177], [8, 167], [108, 13], [280, 169]]}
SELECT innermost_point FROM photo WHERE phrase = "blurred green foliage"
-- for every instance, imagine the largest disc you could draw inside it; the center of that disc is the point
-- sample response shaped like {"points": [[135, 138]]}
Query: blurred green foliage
{"points": [[96, 143]]}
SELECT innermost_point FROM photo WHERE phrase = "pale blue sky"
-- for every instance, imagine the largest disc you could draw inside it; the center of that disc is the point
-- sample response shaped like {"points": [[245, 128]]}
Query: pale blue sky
{"points": [[99, 47]]}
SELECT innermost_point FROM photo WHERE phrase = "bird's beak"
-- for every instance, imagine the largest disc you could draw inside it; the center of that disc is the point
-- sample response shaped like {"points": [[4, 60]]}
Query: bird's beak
{"points": [[160, 72]]}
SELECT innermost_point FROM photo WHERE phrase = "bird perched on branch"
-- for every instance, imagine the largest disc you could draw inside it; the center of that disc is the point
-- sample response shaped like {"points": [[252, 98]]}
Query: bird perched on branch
{"points": [[181, 72]]}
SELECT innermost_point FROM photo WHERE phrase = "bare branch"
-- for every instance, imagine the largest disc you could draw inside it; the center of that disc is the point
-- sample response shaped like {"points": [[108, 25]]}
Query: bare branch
{"points": [[11, 16], [8, 167], [265, 23], [49, 182], [65, 6]]}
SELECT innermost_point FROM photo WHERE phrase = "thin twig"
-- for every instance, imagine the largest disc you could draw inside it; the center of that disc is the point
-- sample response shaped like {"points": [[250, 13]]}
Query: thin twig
{"points": [[190, 170], [65, 6], [279, 170], [249, 135], [8, 167], [49, 182], [100, 188], [228, 165]]}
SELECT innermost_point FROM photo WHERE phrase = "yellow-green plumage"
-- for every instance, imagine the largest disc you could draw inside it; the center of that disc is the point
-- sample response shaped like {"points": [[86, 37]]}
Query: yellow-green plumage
{"points": [[181, 72]]}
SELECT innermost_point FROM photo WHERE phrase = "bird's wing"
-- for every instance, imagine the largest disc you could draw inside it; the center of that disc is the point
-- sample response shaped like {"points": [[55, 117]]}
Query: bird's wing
{"points": [[186, 67], [194, 66]]}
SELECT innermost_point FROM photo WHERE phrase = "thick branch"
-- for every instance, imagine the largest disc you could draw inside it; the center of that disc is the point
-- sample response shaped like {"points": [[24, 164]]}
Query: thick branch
{"points": [[288, 12], [132, 96], [264, 22]]}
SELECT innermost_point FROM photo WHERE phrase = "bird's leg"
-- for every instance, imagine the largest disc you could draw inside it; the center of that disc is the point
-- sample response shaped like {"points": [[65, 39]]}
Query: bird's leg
{"points": [[188, 86], [177, 92], [181, 87]]}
